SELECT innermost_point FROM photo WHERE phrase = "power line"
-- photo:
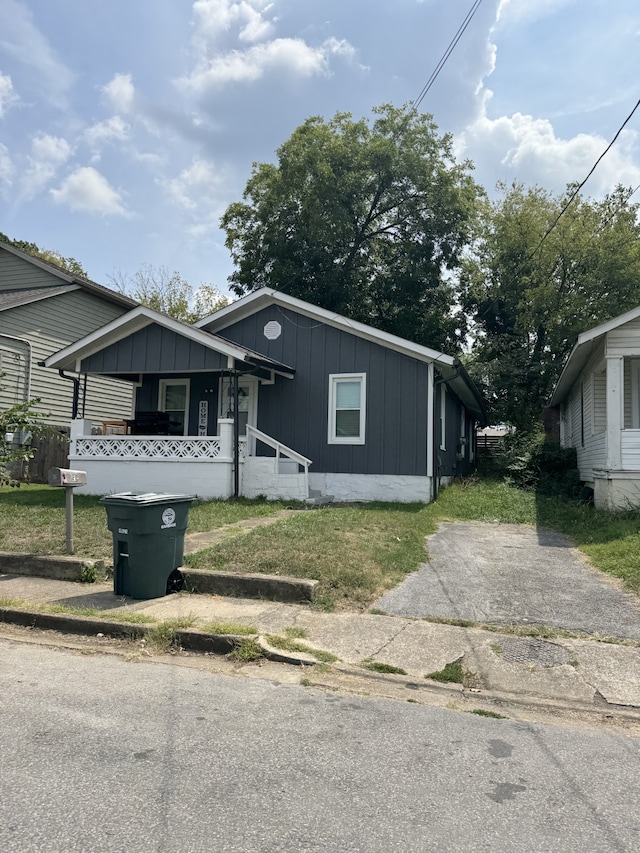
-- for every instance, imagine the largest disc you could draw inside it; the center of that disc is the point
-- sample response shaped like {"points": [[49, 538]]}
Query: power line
{"points": [[580, 185], [454, 41]]}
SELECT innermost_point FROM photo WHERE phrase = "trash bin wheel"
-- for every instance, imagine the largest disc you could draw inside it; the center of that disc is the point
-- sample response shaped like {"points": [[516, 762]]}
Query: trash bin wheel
{"points": [[175, 581]]}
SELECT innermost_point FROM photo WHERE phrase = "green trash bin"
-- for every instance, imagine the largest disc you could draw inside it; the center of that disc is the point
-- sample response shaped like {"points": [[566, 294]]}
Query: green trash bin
{"points": [[148, 540]]}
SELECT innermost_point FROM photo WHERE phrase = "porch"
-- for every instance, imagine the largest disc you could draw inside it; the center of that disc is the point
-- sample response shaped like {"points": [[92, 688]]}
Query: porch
{"points": [[198, 465]]}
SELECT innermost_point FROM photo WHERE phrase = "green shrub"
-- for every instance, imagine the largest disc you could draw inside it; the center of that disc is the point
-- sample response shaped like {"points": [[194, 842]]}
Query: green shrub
{"points": [[531, 461]]}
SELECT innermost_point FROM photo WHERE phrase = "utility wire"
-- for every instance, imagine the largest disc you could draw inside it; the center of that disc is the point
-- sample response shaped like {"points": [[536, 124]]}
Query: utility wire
{"points": [[580, 185], [454, 41]]}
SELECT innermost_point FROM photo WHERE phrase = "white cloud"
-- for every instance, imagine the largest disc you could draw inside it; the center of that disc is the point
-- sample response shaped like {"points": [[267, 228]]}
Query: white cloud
{"points": [[6, 166], [87, 190], [293, 56], [120, 93], [113, 129], [48, 153], [528, 150], [216, 17], [200, 179], [525, 11], [22, 40], [8, 96]]}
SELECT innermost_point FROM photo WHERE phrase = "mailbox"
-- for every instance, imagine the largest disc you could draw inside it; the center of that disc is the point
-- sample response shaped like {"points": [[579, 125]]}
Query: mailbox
{"points": [[67, 477]]}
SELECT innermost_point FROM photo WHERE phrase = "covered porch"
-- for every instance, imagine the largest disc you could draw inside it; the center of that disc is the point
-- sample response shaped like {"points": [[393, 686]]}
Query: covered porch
{"points": [[193, 427]]}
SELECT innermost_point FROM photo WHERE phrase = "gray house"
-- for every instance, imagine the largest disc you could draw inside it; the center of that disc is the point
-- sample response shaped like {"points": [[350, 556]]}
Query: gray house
{"points": [[44, 308], [274, 396]]}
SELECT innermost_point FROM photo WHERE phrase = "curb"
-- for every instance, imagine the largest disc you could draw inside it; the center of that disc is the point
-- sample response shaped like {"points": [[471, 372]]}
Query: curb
{"points": [[288, 590], [44, 566]]}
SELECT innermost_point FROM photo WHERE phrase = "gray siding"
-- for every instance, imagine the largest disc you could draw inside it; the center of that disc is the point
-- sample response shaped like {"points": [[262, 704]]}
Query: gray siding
{"points": [[16, 273], [296, 411], [455, 458], [49, 325], [154, 349], [202, 386]]}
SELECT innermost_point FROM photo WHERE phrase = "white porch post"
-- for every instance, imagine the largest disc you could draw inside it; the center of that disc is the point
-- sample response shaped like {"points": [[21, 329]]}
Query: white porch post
{"points": [[79, 428], [615, 412], [225, 431]]}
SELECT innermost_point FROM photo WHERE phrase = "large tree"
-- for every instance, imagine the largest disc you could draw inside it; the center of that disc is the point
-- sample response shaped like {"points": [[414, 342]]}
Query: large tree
{"points": [[362, 218], [541, 275], [169, 293]]}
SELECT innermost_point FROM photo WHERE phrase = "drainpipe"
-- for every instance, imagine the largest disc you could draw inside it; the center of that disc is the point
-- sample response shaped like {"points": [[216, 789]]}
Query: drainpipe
{"points": [[76, 392], [236, 437]]}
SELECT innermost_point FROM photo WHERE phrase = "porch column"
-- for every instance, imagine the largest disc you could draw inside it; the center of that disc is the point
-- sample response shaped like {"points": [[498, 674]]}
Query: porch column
{"points": [[79, 427], [225, 431], [615, 412]]}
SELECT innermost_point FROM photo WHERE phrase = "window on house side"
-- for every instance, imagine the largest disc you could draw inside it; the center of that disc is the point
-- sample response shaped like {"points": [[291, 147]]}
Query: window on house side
{"points": [[347, 408]]}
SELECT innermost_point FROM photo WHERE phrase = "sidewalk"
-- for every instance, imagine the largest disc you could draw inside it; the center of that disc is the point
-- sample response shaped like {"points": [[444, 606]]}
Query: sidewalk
{"points": [[587, 673]]}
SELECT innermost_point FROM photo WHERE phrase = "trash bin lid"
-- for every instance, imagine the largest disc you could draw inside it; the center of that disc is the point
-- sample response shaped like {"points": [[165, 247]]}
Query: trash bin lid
{"points": [[142, 498]]}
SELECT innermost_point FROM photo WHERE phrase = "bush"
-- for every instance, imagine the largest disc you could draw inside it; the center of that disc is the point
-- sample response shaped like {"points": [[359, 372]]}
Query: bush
{"points": [[530, 461]]}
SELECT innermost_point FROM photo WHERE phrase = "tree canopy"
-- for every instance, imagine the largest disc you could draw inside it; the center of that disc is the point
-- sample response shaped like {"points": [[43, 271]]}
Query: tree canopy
{"points": [[50, 255], [536, 281], [365, 219], [169, 293]]}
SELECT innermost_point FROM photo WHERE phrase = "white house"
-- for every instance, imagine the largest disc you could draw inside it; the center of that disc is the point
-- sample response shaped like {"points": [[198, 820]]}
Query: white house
{"points": [[598, 395]]}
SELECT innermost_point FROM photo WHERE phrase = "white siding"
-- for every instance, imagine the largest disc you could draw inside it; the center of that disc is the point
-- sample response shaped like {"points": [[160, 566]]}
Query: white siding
{"points": [[599, 385], [585, 412], [624, 340]]}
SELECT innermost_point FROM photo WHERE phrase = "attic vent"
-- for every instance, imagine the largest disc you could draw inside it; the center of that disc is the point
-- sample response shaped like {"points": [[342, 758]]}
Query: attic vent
{"points": [[272, 330]]}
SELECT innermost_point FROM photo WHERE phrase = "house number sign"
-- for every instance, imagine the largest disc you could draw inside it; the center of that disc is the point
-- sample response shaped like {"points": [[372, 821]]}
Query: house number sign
{"points": [[203, 417]]}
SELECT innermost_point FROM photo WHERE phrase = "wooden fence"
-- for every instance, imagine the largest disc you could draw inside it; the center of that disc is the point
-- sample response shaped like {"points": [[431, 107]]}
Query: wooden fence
{"points": [[51, 451]]}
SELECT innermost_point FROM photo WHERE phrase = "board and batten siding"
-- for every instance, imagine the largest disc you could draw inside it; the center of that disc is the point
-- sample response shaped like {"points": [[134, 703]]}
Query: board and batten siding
{"points": [[154, 349], [296, 412], [51, 324]]}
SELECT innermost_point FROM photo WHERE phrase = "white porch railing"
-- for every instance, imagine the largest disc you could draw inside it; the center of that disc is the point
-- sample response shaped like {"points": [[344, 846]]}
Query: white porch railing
{"points": [[280, 449], [151, 448]]}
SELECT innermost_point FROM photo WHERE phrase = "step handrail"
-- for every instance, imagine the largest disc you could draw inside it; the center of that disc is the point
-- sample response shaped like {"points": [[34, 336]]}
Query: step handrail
{"points": [[279, 447]]}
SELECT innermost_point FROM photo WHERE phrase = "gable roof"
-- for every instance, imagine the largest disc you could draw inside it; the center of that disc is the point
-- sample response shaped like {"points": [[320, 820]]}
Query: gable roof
{"points": [[122, 327], [25, 295], [71, 279], [451, 368], [581, 352]]}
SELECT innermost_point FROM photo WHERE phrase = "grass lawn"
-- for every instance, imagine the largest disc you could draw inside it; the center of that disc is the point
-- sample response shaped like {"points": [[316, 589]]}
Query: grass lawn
{"points": [[32, 520], [356, 552]]}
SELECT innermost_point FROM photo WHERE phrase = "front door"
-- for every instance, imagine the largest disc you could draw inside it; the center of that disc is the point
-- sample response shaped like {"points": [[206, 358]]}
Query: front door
{"points": [[247, 402]]}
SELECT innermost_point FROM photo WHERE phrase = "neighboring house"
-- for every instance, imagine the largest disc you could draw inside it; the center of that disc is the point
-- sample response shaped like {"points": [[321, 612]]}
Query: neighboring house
{"points": [[309, 403], [42, 309], [598, 396]]}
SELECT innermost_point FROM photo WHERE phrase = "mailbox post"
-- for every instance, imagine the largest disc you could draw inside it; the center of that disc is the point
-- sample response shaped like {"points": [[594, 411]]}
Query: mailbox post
{"points": [[69, 480]]}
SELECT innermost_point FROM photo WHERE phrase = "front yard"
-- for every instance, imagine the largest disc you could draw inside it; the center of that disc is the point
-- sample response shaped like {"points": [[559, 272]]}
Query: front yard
{"points": [[356, 552]]}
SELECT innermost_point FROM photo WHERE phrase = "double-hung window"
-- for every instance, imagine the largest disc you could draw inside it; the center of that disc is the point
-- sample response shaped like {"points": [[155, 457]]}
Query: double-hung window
{"points": [[347, 408]]}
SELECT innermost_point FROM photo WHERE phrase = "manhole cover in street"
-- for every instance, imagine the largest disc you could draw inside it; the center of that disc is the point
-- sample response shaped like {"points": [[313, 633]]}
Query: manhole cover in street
{"points": [[529, 650]]}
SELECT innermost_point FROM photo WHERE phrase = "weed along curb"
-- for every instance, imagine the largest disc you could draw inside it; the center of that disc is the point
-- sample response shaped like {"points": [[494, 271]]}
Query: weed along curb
{"points": [[190, 639], [56, 568], [272, 587]]}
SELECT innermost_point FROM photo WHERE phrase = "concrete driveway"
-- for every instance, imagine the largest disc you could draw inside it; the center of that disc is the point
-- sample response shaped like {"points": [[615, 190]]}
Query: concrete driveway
{"points": [[513, 574]]}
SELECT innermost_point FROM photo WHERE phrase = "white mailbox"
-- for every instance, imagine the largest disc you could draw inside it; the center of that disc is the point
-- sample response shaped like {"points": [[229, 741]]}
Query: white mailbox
{"points": [[67, 477]]}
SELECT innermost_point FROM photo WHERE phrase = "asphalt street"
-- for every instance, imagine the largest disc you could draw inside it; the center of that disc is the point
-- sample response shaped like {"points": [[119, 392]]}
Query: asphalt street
{"points": [[101, 753]]}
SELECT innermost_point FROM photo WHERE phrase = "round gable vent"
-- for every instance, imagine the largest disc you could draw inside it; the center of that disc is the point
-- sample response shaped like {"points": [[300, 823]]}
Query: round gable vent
{"points": [[272, 330]]}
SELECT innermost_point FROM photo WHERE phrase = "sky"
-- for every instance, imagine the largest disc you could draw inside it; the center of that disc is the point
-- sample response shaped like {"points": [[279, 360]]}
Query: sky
{"points": [[128, 126]]}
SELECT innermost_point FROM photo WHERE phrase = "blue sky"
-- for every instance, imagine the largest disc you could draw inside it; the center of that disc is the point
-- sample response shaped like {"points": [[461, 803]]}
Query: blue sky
{"points": [[126, 128]]}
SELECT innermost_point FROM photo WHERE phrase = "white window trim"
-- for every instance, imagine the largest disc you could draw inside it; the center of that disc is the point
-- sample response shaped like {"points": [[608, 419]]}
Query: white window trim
{"points": [[443, 416], [635, 393], [162, 387], [334, 380]]}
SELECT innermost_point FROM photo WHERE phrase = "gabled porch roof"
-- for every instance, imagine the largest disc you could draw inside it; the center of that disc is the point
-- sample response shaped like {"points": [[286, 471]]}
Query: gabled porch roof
{"points": [[584, 346], [111, 349]]}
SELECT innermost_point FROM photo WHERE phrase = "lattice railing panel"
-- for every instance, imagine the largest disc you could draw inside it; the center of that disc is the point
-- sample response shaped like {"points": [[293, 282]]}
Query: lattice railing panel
{"points": [[148, 448]]}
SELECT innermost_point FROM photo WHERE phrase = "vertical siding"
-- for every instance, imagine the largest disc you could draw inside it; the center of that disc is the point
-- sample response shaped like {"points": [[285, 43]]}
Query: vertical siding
{"points": [[202, 386], [296, 412]]}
